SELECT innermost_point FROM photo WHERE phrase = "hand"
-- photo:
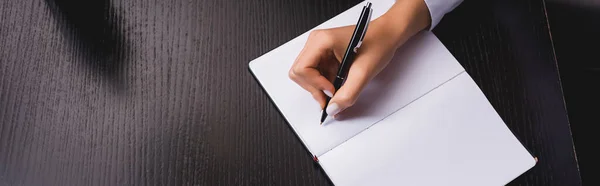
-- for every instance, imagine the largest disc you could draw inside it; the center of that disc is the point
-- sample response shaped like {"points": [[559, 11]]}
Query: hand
{"points": [[316, 66]]}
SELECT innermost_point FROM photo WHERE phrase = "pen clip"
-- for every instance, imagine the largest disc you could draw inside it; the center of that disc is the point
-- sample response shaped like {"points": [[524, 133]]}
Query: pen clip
{"points": [[364, 31]]}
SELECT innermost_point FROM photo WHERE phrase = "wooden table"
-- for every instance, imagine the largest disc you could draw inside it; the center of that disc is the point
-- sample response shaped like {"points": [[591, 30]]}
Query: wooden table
{"points": [[136, 92]]}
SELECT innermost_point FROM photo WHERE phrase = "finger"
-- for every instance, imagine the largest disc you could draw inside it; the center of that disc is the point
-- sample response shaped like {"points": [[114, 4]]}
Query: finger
{"points": [[317, 46], [314, 78], [358, 77], [317, 94], [316, 52], [310, 75]]}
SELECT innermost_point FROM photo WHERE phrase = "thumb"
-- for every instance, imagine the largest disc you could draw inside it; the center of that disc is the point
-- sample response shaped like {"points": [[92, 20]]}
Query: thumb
{"points": [[347, 95]]}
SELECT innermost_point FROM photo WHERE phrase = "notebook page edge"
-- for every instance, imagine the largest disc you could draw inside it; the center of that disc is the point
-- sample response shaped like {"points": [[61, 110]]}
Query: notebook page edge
{"points": [[283, 115]]}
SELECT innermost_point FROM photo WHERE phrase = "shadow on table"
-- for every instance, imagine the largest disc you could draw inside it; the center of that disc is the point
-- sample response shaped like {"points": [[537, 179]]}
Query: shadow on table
{"points": [[93, 31]]}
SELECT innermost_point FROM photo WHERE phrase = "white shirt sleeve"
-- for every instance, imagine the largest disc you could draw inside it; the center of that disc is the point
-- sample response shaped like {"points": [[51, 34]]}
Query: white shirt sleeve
{"points": [[439, 8]]}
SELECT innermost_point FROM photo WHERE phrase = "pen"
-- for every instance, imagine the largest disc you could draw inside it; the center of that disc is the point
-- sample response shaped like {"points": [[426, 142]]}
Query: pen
{"points": [[355, 42]]}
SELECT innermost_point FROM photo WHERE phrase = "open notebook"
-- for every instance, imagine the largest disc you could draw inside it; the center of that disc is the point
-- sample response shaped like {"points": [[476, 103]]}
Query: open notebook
{"points": [[421, 121]]}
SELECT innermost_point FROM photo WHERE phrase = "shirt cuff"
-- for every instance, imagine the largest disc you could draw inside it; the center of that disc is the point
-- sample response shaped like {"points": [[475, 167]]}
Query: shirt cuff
{"points": [[439, 8]]}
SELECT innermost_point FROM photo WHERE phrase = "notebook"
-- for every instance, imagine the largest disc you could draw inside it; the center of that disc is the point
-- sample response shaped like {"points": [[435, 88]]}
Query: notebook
{"points": [[420, 121]]}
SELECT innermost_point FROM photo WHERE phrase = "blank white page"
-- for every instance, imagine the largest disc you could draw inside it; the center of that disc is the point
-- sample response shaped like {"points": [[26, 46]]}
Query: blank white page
{"points": [[450, 136], [422, 64]]}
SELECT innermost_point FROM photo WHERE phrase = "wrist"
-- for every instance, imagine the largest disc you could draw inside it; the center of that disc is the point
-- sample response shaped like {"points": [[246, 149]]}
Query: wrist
{"points": [[404, 19]]}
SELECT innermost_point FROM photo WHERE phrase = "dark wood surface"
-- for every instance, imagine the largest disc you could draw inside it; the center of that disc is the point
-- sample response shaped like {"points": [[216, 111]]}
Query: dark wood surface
{"points": [[507, 48], [574, 26], [158, 92]]}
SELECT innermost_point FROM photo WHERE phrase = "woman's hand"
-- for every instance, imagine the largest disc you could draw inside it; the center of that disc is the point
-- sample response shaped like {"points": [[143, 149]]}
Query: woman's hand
{"points": [[316, 66]]}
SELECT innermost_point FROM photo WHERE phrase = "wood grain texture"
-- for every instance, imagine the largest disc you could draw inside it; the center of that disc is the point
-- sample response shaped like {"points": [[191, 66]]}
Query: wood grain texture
{"points": [[575, 36], [158, 93]]}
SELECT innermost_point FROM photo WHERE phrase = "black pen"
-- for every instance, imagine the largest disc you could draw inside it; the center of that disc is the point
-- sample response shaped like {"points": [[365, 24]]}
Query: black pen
{"points": [[357, 37]]}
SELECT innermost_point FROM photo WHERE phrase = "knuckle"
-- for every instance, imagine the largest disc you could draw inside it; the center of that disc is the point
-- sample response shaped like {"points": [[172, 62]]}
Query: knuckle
{"points": [[345, 99], [315, 33], [315, 94], [291, 74], [297, 72], [320, 36]]}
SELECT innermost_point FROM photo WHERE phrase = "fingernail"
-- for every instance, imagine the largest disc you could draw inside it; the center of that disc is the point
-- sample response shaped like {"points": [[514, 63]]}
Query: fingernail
{"points": [[333, 109], [328, 93]]}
